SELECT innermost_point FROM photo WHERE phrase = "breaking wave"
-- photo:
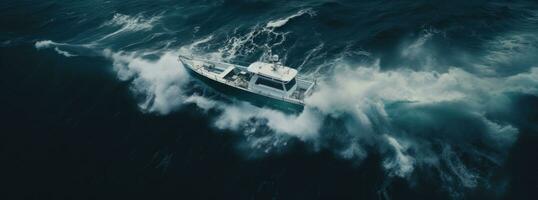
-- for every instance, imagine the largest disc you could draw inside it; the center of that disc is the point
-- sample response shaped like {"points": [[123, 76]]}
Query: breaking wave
{"points": [[157, 84]]}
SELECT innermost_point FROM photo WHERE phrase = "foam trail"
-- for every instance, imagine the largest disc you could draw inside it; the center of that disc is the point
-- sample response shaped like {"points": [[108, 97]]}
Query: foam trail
{"points": [[64, 53], [309, 54], [44, 44], [402, 164], [416, 47], [201, 41], [457, 168]]}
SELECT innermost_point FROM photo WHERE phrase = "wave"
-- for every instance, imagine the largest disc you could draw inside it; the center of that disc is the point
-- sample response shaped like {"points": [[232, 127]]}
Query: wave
{"points": [[514, 51], [283, 21], [158, 84], [49, 44], [312, 55], [251, 43], [127, 23], [44, 44]]}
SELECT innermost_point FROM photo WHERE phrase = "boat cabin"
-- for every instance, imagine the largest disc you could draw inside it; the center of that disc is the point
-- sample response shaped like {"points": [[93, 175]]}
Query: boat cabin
{"points": [[272, 78]]}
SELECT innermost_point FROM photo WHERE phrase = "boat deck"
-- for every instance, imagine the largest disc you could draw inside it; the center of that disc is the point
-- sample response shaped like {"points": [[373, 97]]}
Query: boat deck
{"points": [[237, 77]]}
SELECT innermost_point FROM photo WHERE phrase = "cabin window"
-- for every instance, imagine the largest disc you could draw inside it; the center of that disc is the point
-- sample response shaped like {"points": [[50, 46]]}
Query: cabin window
{"points": [[290, 84], [262, 81]]}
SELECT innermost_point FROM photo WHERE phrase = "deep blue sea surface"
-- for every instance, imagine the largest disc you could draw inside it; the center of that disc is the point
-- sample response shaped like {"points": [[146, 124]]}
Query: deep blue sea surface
{"points": [[415, 100]]}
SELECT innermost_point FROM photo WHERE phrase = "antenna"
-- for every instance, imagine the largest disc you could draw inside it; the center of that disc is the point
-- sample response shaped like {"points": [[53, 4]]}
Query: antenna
{"points": [[274, 59]]}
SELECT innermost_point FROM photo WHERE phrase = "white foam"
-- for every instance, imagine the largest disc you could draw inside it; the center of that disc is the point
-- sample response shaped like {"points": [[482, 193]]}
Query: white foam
{"points": [[200, 41], [132, 23], [359, 95], [247, 43], [416, 48], [304, 125], [309, 55], [456, 168], [63, 53], [202, 102], [349, 87], [500, 136], [244, 44], [160, 82], [283, 21], [44, 44], [401, 165], [523, 83], [128, 23], [507, 49], [353, 151]]}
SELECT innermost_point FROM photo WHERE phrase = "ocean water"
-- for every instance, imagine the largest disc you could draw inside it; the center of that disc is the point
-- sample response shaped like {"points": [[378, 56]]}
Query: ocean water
{"points": [[416, 100]]}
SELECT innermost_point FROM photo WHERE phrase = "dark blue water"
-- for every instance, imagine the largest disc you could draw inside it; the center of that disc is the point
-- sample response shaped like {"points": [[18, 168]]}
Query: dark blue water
{"points": [[416, 100]]}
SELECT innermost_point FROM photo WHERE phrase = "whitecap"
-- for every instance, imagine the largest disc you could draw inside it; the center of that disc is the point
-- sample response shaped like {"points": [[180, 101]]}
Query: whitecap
{"points": [[127, 23], [44, 44], [283, 21]]}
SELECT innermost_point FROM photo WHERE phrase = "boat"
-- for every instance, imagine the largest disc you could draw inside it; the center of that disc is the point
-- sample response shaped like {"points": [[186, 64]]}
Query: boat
{"points": [[265, 84]]}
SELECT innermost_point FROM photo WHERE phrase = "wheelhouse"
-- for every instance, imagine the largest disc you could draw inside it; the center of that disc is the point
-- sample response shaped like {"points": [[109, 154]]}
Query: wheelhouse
{"points": [[272, 77]]}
